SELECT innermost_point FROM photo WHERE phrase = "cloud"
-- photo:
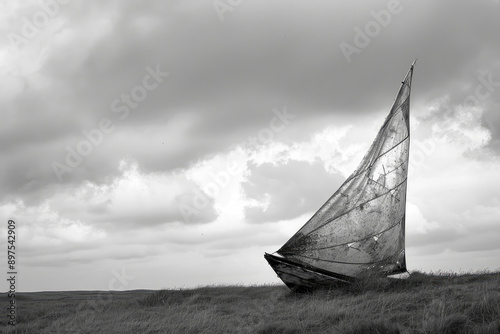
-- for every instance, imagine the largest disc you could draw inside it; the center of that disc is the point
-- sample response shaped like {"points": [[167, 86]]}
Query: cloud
{"points": [[472, 230], [98, 52], [225, 78], [452, 196], [491, 121], [135, 198], [286, 191]]}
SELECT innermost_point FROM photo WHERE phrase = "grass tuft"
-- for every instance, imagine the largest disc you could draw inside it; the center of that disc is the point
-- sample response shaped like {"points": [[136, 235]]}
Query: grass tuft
{"points": [[451, 324], [372, 327], [486, 309]]}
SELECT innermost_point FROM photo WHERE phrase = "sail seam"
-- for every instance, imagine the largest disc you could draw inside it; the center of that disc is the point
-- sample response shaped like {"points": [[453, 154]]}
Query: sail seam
{"points": [[397, 167], [378, 157], [406, 98], [399, 143], [366, 238], [387, 173], [396, 110], [372, 199], [352, 263]]}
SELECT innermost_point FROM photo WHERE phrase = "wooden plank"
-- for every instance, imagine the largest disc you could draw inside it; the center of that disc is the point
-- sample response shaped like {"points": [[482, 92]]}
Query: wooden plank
{"points": [[300, 278]]}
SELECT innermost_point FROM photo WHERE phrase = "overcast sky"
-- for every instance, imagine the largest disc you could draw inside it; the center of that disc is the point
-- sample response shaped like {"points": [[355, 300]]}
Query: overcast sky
{"points": [[160, 144]]}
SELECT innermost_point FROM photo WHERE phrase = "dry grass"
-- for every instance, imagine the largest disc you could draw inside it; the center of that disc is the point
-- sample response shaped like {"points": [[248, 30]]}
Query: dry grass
{"points": [[423, 303]]}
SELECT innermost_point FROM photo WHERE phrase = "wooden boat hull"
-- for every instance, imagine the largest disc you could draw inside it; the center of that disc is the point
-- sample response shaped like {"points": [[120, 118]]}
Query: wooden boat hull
{"points": [[302, 278]]}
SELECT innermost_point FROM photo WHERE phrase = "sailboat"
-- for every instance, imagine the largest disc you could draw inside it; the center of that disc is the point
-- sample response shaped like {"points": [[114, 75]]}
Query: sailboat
{"points": [[360, 230]]}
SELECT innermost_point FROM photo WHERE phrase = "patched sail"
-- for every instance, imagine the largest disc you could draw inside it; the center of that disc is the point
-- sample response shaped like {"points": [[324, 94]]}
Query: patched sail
{"points": [[362, 226]]}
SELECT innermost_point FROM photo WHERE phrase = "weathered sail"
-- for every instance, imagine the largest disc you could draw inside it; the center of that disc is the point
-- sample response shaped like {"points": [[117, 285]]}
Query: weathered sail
{"points": [[362, 226]]}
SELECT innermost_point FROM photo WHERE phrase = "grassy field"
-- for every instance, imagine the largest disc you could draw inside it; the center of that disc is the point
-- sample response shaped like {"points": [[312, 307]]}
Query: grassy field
{"points": [[423, 303]]}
